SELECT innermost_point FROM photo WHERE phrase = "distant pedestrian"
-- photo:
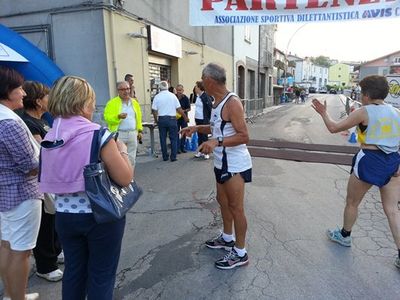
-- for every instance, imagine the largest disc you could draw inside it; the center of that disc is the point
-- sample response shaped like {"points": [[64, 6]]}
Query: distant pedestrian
{"points": [[165, 106], [376, 163], [297, 96], [232, 164], [172, 90], [202, 114], [303, 95], [185, 105], [131, 81]]}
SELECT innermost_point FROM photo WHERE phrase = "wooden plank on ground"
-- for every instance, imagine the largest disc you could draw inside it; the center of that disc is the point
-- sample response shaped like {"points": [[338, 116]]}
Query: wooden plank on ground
{"points": [[304, 156], [303, 146]]}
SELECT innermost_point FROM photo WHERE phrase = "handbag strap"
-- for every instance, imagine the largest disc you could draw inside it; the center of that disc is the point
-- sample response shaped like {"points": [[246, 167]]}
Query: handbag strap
{"points": [[96, 146]]}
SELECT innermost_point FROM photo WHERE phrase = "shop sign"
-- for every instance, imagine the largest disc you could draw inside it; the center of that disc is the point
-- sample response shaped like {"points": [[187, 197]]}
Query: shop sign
{"points": [[165, 42], [394, 90]]}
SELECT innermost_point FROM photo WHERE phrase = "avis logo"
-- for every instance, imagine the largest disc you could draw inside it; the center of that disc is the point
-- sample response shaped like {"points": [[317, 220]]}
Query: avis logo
{"points": [[377, 13], [394, 88]]}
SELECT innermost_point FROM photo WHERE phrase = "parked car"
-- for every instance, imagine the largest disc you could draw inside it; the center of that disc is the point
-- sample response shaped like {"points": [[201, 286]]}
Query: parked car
{"points": [[323, 90], [312, 89], [332, 91]]}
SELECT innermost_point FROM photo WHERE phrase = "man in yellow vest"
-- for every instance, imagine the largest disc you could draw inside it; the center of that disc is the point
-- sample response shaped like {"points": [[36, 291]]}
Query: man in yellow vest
{"points": [[123, 114]]}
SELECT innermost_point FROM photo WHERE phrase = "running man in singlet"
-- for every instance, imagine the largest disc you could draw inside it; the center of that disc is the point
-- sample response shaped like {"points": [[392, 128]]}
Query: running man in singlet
{"points": [[232, 164], [376, 163]]}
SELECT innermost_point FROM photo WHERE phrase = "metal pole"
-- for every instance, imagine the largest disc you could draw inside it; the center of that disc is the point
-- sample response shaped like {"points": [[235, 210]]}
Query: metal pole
{"points": [[286, 53]]}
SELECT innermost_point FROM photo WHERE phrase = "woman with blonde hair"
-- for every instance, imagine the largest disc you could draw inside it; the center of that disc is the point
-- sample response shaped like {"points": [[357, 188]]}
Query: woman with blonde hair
{"points": [[91, 250]]}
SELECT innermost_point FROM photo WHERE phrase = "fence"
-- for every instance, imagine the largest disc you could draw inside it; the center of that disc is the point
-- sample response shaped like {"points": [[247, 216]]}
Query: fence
{"points": [[253, 107]]}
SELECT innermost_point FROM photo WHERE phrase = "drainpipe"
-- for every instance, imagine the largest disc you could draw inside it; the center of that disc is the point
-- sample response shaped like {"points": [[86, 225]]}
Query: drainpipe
{"points": [[259, 62], [233, 60], [113, 49]]}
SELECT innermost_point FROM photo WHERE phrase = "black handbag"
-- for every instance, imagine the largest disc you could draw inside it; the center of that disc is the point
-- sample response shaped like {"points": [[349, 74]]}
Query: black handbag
{"points": [[109, 201]]}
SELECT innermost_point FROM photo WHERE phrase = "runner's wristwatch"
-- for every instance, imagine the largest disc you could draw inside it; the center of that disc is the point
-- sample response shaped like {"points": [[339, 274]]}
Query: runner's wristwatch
{"points": [[220, 140]]}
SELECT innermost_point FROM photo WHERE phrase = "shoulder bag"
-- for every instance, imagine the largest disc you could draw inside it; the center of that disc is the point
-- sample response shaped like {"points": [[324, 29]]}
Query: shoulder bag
{"points": [[109, 201]]}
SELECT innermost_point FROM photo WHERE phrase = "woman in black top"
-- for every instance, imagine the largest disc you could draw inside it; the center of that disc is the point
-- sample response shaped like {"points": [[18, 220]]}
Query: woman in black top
{"points": [[47, 247]]}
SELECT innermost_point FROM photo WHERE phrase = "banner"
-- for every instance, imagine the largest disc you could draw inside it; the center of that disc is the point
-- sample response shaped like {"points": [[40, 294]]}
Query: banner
{"points": [[265, 12], [394, 90]]}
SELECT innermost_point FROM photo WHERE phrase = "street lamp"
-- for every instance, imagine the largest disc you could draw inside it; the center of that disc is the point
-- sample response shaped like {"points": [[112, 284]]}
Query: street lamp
{"points": [[286, 54]]}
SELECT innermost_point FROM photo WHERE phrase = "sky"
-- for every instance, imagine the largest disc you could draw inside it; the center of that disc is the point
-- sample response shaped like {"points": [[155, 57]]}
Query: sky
{"points": [[345, 41]]}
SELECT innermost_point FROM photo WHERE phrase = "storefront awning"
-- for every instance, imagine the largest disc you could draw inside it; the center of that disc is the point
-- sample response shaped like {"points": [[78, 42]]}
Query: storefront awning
{"points": [[8, 54]]}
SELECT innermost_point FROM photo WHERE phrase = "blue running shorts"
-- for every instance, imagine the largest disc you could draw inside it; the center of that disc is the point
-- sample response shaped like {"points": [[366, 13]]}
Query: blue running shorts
{"points": [[375, 166]]}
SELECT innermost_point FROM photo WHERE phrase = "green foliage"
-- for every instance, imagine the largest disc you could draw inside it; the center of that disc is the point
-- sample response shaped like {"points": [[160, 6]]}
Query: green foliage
{"points": [[321, 61]]}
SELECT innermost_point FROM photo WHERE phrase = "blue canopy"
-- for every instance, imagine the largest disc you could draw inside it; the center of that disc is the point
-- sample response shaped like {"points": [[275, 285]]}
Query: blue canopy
{"points": [[38, 67]]}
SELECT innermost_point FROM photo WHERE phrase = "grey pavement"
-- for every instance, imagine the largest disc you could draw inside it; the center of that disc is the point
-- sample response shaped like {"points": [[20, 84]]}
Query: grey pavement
{"points": [[289, 206]]}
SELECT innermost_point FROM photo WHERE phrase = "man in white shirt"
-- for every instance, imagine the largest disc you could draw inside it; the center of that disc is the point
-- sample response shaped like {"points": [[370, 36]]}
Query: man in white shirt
{"points": [[165, 106]]}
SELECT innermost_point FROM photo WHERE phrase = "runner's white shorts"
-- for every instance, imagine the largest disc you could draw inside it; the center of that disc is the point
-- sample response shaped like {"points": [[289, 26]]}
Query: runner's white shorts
{"points": [[20, 225]]}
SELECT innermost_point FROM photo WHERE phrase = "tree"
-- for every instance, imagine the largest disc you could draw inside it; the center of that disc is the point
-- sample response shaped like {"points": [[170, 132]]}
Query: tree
{"points": [[321, 61]]}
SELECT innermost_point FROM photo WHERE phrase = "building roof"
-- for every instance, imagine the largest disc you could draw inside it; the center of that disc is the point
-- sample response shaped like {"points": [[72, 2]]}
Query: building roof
{"points": [[376, 60]]}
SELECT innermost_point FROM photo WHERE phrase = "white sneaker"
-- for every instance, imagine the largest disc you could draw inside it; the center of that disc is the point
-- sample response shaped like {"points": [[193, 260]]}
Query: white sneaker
{"points": [[54, 276], [199, 154], [206, 156], [31, 296], [60, 258]]}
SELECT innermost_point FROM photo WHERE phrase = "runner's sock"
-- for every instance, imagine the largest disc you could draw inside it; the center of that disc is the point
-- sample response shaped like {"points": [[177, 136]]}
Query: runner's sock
{"points": [[240, 252], [345, 233], [227, 237]]}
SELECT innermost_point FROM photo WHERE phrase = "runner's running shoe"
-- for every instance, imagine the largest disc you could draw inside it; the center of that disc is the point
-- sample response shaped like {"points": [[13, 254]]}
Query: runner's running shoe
{"points": [[397, 262], [335, 235], [219, 243], [232, 260]]}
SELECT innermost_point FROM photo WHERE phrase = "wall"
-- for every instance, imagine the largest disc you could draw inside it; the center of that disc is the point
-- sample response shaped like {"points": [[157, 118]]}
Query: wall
{"points": [[127, 55], [78, 46], [173, 15], [339, 73], [246, 45]]}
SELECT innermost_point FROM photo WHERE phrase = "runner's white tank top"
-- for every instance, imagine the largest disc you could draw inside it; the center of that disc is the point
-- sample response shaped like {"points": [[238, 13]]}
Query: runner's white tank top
{"points": [[229, 159]]}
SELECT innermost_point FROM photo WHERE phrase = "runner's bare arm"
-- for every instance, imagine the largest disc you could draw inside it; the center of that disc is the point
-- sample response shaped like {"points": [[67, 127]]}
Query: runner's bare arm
{"points": [[356, 117]]}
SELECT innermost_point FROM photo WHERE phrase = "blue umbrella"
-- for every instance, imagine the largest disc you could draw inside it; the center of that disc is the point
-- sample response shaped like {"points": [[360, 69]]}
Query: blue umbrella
{"points": [[36, 65]]}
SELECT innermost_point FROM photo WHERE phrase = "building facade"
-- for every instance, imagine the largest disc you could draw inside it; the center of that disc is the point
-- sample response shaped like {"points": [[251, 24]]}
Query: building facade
{"points": [[388, 64], [102, 41], [339, 75]]}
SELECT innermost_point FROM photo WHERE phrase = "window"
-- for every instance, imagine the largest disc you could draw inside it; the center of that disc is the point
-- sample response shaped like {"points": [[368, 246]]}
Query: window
{"points": [[261, 92], [396, 60], [251, 83], [270, 86], [247, 34]]}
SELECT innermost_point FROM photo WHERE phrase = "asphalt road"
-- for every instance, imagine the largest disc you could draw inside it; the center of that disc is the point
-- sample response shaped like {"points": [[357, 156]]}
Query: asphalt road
{"points": [[289, 206]]}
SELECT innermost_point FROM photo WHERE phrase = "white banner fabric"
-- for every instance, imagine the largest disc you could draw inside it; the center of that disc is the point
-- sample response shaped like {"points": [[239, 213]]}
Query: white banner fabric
{"points": [[265, 12]]}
